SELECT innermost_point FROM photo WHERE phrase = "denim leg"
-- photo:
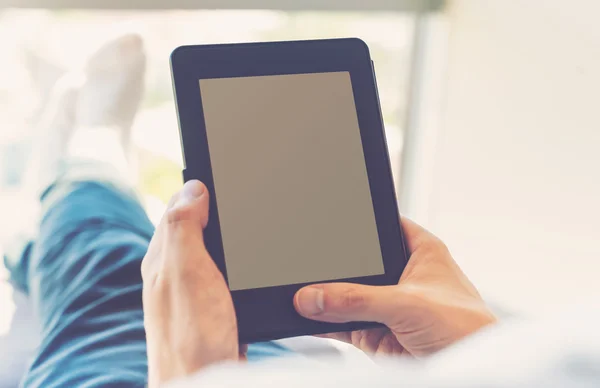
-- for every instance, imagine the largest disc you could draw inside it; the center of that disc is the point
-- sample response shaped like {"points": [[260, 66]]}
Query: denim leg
{"points": [[84, 281], [83, 277]]}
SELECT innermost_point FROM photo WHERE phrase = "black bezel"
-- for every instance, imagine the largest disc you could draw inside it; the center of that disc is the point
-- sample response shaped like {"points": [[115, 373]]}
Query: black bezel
{"points": [[268, 313]]}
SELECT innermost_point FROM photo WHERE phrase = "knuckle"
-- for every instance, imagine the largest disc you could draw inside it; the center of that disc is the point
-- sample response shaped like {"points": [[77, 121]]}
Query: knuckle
{"points": [[434, 246], [173, 200], [177, 214], [148, 267], [144, 268], [161, 288], [351, 299]]}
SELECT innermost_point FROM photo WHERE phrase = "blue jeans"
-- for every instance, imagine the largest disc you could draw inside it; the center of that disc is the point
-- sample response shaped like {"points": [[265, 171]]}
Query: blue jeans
{"points": [[82, 273]]}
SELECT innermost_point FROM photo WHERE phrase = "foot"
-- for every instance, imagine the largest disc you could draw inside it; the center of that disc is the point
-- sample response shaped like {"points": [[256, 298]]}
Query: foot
{"points": [[113, 80], [89, 113], [113, 86]]}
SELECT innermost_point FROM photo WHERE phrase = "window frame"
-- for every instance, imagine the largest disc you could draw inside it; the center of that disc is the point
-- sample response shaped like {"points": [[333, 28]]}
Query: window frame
{"points": [[283, 5]]}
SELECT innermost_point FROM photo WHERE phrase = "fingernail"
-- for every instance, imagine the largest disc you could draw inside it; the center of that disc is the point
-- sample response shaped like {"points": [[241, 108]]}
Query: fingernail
{"points": [[192, 189], [310, 301]]}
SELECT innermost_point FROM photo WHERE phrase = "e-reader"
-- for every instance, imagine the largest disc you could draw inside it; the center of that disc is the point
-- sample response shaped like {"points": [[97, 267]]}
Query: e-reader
{"points": [[288, 138]]}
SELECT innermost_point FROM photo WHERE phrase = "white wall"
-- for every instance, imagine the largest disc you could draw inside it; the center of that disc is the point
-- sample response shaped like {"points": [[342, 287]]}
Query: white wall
{"points": [[516, 179]]}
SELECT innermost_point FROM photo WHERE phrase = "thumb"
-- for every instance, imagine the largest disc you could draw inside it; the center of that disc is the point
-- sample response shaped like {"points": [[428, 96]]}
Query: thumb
{"points": [[185, 251], [189, 206], [347, 302], [185, 220], [182, 223]]}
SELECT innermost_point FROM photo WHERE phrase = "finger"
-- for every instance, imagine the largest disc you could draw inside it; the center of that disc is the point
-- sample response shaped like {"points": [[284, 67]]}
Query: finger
{"points": [[190, 205], [416, 235], [184, 224], [344, 336], [243, 353], [187, 215], [346, 302]]}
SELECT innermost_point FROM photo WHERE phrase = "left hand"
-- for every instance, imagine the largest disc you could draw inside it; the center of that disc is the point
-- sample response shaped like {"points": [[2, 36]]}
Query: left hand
{"points": [[188, 312]]}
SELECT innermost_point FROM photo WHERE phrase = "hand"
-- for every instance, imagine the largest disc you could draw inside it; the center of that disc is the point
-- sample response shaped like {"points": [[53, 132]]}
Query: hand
{"points": [[432, 306], [188, 312]]}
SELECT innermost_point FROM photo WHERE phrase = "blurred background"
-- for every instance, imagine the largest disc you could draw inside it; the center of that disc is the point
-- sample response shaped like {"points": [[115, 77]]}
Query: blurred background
{"points": [[491, 107]]}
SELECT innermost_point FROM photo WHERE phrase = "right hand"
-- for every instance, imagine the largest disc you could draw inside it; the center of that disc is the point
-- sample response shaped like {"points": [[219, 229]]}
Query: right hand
{"points": [[188, 312], [432, 306]]}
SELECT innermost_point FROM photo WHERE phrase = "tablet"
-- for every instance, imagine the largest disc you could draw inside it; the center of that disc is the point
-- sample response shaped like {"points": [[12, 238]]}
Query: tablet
{"points": [[288, 138]]}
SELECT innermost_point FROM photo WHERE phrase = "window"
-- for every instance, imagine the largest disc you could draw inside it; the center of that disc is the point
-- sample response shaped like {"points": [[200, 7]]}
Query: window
{"points": [[38, 43]]}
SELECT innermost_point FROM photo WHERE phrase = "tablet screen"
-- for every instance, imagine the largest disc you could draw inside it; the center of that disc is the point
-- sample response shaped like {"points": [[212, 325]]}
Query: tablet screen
{"points": [[290, 179]]}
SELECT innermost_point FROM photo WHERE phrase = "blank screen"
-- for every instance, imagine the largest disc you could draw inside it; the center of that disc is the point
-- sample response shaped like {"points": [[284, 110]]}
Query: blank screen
{"points": [[290, 179]]}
